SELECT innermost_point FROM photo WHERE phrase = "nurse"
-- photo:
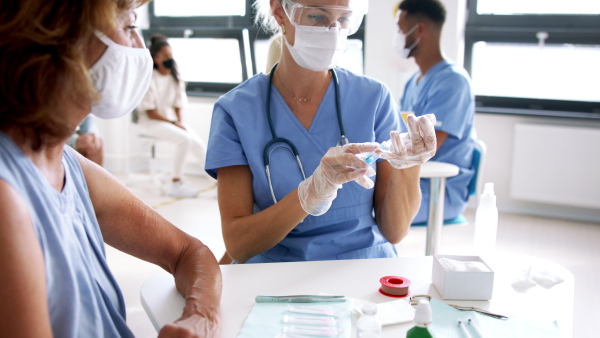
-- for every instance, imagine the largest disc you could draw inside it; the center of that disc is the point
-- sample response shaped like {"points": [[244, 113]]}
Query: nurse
{"points": [[279, 147]]}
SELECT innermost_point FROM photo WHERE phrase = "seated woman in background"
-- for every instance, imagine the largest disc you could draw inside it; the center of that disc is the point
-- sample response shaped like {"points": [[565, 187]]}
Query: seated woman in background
{"points": [[61, 60], [277, 207], [161, 114], [87, 141]]}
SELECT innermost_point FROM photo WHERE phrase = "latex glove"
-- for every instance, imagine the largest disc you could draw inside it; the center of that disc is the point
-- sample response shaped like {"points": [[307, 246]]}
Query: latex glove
{"points": [[338, 166], [412, 148]]}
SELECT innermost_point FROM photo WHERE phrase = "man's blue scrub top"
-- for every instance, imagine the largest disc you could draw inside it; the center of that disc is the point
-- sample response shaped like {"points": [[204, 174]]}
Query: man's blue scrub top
{"points": [[240, 131], [445, 91]]}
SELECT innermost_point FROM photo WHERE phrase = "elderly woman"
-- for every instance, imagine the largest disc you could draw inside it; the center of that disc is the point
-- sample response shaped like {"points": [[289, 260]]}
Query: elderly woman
{"points": [[279, 147], [61, 60]]}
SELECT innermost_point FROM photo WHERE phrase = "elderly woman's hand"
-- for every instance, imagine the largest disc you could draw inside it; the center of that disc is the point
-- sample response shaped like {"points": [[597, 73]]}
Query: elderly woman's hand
{"points": [[194, 326], [412, 148], [338, 166]]}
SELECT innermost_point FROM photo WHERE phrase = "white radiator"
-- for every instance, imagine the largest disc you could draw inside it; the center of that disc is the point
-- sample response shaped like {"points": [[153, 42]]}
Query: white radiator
{"points": [[557, 165]]}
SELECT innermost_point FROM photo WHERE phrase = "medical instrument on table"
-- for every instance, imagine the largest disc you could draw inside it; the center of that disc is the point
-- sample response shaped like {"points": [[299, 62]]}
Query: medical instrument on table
{"points": [[311, 320], [474, 327], [266, 158], [414, 300], [313, 331], [299, 299], [464, 329], [485, 312], [325, 311]]}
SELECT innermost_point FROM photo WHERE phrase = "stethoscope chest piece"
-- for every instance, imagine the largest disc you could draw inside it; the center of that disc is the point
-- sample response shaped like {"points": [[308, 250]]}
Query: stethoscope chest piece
{"points": [[285, 143]]}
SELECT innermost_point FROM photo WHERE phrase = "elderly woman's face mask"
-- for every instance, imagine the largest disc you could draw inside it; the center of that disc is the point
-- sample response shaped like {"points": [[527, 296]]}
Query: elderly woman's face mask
{"points": [[122, 76]]}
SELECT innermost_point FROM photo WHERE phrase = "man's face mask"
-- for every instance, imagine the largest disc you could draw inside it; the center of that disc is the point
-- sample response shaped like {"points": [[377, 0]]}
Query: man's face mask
{"points": [[400, 42], [122, 76]]}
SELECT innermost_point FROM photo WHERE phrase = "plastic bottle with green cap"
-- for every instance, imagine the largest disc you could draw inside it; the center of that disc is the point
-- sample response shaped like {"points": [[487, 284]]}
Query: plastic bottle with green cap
{"points": [[423, 319]]}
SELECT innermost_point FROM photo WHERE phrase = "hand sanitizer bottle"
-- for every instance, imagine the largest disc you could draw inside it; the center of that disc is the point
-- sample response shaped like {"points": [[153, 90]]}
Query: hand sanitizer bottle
{"points": [[486, 222], [423, 318], [368, 325]]}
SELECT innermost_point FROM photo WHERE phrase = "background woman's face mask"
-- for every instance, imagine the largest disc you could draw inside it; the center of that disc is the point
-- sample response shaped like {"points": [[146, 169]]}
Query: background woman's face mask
{"points": [[169, 63], [122, 76], [400, 42]]}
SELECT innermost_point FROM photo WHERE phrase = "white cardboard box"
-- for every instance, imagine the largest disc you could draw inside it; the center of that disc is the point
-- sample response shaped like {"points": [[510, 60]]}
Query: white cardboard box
{"points": [[462, 285]]}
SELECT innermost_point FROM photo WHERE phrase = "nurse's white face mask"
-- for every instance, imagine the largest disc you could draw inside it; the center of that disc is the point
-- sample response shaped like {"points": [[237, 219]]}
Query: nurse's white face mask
{"points": [[322, 31], [318, 48], [400, 42], [122, 76]]}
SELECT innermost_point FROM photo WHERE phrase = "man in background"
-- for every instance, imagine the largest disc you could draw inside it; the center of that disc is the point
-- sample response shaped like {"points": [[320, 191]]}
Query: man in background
{"points": [[87, 141], [440, 88]]}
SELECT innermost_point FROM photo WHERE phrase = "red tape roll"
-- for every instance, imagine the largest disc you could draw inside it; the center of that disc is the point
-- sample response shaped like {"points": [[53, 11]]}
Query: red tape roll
{"points": [[394, 286]]}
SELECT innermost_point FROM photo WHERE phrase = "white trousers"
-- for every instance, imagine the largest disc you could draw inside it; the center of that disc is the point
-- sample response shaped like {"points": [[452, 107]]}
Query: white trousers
{"points": [[186, 141]]}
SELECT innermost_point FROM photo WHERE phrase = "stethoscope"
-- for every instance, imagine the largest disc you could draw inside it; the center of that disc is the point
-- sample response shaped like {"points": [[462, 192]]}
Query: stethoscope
{"points": [[343, 140]]}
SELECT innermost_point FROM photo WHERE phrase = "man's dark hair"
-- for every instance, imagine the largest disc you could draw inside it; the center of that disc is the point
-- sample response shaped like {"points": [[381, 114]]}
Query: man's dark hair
{"points": [[425, 9]]}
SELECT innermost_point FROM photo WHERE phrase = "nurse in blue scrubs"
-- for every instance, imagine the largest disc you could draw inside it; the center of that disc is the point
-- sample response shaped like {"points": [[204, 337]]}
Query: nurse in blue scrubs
{"points": [[324, 203], [443, 89]]}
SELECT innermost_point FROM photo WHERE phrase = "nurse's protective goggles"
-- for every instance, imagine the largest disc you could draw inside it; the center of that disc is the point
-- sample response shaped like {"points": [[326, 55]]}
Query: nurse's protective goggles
{"points": [[345, 17]]}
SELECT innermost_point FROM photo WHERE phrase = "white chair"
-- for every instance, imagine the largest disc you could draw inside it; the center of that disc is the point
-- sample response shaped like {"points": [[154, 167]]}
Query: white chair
{"points": [[149, 151]]}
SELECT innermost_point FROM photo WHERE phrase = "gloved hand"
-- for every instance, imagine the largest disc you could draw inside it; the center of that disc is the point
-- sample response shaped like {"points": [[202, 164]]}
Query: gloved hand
{"points": [[338, 166], [412, 148]]}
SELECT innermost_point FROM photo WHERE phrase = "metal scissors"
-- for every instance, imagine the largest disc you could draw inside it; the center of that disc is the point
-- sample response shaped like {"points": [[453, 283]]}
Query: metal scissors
{"points": [[482, 311]]}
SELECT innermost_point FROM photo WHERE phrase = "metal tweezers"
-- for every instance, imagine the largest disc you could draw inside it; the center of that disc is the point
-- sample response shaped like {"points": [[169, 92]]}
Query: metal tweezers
{"points": [[299, 299], [482, 311]]}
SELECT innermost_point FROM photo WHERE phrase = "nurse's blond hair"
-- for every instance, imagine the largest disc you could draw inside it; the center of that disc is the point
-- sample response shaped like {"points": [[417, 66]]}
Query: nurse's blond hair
{"points": [[264, 16]]}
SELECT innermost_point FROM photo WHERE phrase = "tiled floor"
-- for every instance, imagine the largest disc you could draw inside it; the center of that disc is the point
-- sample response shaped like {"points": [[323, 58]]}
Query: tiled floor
{"points": [[573, 245]]}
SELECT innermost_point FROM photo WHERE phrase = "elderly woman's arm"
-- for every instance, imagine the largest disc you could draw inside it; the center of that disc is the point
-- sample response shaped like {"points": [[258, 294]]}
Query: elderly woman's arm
{"points": [[24, 309], [133, 227]]}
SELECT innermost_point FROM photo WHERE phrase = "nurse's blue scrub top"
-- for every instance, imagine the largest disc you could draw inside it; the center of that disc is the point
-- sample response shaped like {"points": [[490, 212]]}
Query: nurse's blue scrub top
{"points": [[239, 132], [445, 91]]}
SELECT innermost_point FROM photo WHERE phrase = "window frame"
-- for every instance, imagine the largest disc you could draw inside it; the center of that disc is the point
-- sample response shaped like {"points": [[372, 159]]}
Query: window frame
{"points": [[562, 29], [220, 27]]}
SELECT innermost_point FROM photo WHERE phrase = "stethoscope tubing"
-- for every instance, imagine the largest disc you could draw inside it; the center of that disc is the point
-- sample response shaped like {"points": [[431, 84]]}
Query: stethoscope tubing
{"points": [[292, 147]]}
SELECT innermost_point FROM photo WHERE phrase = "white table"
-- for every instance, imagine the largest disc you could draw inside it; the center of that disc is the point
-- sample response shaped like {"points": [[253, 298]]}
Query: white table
{"points": [[360, 279], [437, 172]]}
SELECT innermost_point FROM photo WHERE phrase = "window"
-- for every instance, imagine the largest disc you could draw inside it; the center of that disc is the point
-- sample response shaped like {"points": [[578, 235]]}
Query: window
{"points": [[186, 8], [216, 44], [535, 57]]}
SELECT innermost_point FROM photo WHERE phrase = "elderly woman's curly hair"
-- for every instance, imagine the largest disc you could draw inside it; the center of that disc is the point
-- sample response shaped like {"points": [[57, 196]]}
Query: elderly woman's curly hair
{"points": [[42, 69]]}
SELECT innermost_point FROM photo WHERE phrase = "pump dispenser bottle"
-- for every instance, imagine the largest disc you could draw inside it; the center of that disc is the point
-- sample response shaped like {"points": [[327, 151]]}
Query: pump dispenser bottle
{"points": [[486, 222], [423, 318]]}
